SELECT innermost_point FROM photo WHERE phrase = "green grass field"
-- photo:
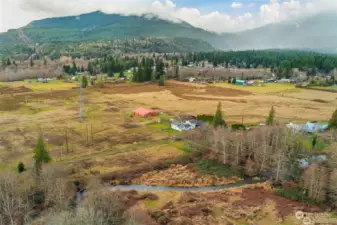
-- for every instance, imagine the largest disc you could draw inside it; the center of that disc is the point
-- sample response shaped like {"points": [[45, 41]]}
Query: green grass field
{"points": [[332, 88], [36, 86]]}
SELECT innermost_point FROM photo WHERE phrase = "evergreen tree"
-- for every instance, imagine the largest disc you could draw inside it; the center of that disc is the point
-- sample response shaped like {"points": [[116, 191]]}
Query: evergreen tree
{"points": [[14, 63], [90, 68], [41, 154], [314, 141], [8, 62], [74, 68], [121, 74], [218, 120], [161, 81], [45, 62], [333, 121], [153, 75], [31, 62], [135, 75], [110, 69], [148, 71], [82, 68], [159, 69], [101, 82], [66, 69], [84, 82], [271, 117], [215, 63], [21, 167], [177, 71], [141, 74], [234, 81]]}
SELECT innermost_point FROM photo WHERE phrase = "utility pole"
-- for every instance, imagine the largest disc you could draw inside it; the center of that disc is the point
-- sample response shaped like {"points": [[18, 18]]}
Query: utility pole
{"points": [[82, 116], [87, 135], [92, 136], [66, 138]]}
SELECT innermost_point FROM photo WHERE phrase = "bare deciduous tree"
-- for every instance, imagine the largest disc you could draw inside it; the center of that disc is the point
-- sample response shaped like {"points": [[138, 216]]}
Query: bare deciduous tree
{"points": [[57, 191], [332, 188], [13, 207], [265, 148], [315, 180]]}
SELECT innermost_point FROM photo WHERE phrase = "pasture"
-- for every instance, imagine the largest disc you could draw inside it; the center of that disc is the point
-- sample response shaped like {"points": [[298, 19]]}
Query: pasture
{"points": [[112, 145]]}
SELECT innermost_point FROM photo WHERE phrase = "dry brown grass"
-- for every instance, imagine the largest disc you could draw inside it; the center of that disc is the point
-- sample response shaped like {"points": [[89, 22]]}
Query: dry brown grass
{"points": [[137, 158], [233, 206], [181, 176], [54, 111], [253, 108]]}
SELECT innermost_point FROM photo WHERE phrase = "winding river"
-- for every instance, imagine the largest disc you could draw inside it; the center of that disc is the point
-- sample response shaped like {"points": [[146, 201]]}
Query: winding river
{"points": [[180, 189], [136, 187]]}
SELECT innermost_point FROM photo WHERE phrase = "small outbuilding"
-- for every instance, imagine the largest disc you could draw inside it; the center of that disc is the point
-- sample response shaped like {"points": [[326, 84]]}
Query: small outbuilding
{"points": [[144, 112], [312, 127], [240, 82]]}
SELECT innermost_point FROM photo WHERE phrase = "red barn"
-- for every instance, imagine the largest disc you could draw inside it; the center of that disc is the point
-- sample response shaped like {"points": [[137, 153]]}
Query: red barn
{"points": [[143, 112]]}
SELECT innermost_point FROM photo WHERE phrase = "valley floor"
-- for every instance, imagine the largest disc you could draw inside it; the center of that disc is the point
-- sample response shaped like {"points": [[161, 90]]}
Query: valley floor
{"points": [[113, 146]]}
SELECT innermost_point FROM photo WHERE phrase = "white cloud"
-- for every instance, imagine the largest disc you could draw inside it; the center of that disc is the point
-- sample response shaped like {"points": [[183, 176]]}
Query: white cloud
{"points": [[16, 13], [237, 5], [250, 5], [274, 11]]}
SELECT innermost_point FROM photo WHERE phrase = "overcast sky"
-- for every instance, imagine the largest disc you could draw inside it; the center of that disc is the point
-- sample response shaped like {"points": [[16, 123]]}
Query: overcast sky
{"points": [[212, 15]]}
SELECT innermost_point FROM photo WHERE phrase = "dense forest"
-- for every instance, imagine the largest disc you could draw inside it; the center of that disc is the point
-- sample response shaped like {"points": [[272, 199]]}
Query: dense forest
{"points": [[144, 69], [100, 49], [280, 62], [276, 60]]}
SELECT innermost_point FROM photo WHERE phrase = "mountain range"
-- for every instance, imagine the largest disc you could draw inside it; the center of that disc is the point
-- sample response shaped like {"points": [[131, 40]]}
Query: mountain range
{"points": [[311, 33]]}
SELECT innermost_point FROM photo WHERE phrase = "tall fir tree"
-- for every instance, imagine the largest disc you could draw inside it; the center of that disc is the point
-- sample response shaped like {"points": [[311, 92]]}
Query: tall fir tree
{"points": [[135, 75], [333, 121], [271, 117], [31, 62], [121, 74], [141, 74], [84, 82], [90, 68], [148, 71], [74, 68], [8, 62], [177, 71], [110, 68], [161, 81], [159, 68], [41, 154], [218, 120]]}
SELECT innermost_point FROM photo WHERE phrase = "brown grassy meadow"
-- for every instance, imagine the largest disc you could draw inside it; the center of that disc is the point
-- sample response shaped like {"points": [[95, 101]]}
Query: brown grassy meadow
{"points": [[110, 143]]}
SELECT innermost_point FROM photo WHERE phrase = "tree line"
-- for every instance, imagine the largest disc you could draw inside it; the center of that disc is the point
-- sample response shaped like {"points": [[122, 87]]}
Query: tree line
{"points": [[148, 70], [279, 61]]}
